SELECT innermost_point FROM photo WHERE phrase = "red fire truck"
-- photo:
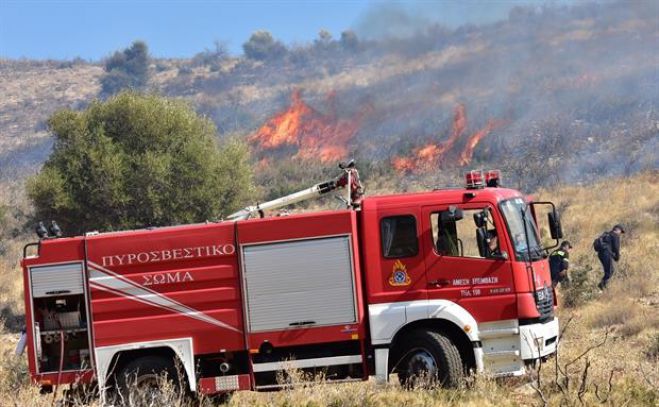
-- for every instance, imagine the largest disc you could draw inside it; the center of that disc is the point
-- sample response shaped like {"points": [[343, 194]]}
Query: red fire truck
{"points": [[439, 283]]}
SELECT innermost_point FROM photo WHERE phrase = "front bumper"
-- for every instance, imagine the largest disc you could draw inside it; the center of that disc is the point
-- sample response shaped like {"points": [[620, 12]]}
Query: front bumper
{"points": [[538, 340]]}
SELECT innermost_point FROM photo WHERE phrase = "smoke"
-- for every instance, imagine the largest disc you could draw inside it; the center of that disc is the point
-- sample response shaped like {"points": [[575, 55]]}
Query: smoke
{"points": [[390, 20], [555, 92]]}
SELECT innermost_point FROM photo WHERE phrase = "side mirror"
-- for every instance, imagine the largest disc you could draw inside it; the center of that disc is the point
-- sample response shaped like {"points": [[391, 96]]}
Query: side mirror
{"points": [[481, 240], [502, 256], [555, 227], [453, 214]]}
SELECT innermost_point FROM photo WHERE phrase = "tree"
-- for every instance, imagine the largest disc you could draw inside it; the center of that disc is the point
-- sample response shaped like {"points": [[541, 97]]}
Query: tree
{"points": [[324, 39], [212, 57], [349, 40], [135, 161], [127, 69], [262, 46]]}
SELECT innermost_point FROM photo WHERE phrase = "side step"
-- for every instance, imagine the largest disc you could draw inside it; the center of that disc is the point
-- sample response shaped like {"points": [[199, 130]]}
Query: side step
{"points": [[279, 386], [306, 363], [502, 354], [498, 333]]}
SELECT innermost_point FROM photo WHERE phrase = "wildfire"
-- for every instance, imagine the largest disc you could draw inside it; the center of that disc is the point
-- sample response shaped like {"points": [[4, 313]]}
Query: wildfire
{"points": [[474, 139], [432, 155], [324, 137]]}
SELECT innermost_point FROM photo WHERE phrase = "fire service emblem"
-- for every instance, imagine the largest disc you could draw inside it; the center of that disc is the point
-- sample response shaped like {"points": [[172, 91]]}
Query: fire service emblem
{"points": [[399, 276]]}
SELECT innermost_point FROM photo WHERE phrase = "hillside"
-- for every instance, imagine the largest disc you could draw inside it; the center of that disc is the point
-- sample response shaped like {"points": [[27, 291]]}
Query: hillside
{"points": [[553, 94], [609, 351]]}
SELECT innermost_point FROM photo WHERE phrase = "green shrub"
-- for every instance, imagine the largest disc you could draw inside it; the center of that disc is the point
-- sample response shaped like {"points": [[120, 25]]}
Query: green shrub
{"points": [[262, 46], [127, 69], [580, 289], [136, 161], [652, 351]]}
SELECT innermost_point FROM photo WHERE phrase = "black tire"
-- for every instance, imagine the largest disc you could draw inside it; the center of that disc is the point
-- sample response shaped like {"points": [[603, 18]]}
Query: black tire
{"points": [[145, 374], [427, 359]]}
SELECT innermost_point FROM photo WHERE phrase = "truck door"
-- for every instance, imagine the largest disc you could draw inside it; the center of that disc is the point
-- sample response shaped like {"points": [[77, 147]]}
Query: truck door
{"points": [[458, 270], [401, 266]]}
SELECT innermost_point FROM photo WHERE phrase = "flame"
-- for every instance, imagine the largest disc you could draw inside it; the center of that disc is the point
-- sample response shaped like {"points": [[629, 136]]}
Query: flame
{"points": [[468, 151], [430, 156], [403, 164], [318, 136]]}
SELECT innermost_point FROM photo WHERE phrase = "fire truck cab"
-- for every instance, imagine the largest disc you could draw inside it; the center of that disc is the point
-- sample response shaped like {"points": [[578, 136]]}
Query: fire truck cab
{"points": [[436, 283]]}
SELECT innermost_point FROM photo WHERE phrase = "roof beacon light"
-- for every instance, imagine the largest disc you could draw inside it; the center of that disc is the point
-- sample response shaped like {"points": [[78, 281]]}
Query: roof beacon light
{"points": [[493, 178], [475, 179]]}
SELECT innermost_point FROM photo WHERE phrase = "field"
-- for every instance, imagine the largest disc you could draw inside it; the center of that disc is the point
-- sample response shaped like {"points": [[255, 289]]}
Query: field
{"points": [[608, 354]]}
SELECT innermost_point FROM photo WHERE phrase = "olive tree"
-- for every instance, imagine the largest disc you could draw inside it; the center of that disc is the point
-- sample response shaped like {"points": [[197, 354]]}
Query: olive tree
{"points": [[262, 46], [138, 160], [127, 69]]}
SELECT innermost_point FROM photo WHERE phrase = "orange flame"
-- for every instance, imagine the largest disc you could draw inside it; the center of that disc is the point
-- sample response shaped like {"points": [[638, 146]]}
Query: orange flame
{"points": [[468, 151], [319, 136], [430, 155]]}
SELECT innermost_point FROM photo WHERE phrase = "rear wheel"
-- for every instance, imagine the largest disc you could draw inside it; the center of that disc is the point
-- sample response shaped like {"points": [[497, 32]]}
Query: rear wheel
{"points": [[149, 379], [427, 359]]}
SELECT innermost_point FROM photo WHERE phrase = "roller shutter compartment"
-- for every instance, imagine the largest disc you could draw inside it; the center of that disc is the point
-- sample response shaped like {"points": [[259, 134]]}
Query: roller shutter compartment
{"points": [[56, 280], [302, 283]]}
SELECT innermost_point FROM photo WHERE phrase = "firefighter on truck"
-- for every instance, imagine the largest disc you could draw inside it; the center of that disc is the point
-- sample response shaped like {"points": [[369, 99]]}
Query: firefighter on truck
{"points": [[433, 284]]}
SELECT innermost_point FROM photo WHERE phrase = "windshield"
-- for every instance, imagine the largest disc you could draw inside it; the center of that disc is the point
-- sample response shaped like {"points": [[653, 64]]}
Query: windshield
{"points": [[512, 211]]}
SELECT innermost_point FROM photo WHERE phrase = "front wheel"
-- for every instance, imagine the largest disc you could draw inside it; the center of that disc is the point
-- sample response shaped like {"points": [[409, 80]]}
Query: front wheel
{"points": [[428, 359]]}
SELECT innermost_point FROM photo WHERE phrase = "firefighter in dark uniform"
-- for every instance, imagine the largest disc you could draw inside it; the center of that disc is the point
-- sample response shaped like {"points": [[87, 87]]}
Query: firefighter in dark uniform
{"points": [[559, 263], [493, 244], [607, 246]]}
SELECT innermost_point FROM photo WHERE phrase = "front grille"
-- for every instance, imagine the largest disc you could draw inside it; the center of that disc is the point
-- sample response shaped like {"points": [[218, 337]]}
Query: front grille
{"points": [[544, 300]]}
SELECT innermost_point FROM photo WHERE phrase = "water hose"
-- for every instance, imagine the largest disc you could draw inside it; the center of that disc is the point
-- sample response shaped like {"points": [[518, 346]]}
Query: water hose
{"points": [[61, 364]]}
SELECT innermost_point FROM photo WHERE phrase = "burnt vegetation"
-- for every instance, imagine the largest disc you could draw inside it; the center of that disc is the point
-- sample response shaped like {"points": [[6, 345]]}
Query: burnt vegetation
{"points": [[554, 87], [565, 94]]}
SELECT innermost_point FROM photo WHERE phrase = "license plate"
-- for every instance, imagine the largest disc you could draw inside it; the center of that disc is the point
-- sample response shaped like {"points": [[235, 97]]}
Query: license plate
{"points": [[541, 295]]}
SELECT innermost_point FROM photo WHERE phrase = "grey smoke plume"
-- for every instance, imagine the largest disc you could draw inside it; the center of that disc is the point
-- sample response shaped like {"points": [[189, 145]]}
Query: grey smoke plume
{"points": [[384, 20]]}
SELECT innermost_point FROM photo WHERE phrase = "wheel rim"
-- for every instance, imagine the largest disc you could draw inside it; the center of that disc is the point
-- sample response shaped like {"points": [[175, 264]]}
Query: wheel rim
{"points": [[421, 363], [147, 384], [146, 381]]}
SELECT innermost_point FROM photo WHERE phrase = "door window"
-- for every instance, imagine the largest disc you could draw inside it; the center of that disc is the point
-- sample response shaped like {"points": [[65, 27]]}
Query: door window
{"points": [[399, 237], [459, 238]]}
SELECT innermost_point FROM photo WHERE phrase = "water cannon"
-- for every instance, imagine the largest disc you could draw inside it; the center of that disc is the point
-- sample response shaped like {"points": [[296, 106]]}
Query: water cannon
{"points": [[348, 179], [349, 164]]}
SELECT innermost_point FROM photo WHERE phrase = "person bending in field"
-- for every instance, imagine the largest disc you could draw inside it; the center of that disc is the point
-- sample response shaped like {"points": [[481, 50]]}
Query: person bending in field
{"points": [[559, 263]]}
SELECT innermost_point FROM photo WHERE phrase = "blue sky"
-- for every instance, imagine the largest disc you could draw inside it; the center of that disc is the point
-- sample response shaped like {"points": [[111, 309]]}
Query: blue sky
{"points": [[93, 29]]}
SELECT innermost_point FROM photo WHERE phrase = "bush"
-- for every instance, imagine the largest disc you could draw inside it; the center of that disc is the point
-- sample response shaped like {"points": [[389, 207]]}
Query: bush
{"points": [[127, 69], [580, 289], [652, 351], [349, 41], [262, 46], [136, 161], [212, 57]]}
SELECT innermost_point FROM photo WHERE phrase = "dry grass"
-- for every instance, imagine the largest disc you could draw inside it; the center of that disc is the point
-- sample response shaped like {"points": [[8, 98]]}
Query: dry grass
{"points": [[608, 354], [32, 92]]}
